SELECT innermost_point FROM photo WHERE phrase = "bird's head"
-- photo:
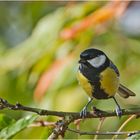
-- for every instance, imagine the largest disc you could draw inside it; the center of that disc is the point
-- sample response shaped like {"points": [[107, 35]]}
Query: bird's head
{"points": [[94, 58]]}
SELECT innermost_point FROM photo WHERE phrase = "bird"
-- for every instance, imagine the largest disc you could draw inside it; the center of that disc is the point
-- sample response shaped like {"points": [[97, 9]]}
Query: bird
{"points": [[100, 78]]}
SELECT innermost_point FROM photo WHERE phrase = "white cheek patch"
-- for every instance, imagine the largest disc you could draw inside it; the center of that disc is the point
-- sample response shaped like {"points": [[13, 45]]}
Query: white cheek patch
{"points": [[97, 61]]}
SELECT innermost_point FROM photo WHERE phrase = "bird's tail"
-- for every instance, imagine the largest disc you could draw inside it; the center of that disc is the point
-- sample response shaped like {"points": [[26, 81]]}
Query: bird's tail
{"points": [[125, 92]]}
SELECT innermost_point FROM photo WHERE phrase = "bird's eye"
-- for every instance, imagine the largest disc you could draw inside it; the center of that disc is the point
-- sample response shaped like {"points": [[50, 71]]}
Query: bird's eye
{"points": [[97, 61]]}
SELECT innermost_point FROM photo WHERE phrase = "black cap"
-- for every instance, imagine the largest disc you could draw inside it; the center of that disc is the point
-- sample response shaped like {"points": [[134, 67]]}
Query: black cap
{"points": [[90, 53]]}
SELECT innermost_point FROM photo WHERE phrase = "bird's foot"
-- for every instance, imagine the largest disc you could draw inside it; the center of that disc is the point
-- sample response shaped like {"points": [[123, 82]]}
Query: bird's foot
{"points": [[119, 112], [83, 113]]}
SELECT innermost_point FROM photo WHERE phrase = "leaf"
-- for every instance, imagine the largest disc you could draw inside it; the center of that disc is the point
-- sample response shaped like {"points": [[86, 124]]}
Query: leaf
{"points": [[12, 129], [49, 76], [5, 121], [105, 13], [43, 40]]}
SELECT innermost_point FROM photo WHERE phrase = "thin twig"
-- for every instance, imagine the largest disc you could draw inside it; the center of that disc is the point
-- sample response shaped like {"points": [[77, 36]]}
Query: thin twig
{"points": [[104, 133], [59, 130], [99, 127], [43, 124], [124, 124]]}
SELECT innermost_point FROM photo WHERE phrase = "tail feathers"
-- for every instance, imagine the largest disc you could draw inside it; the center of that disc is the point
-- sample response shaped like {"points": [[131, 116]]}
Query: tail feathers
{"points": [[125, 92]]}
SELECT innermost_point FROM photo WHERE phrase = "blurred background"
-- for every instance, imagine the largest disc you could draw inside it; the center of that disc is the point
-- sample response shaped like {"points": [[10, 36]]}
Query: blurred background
{"points": [[40, 43]]}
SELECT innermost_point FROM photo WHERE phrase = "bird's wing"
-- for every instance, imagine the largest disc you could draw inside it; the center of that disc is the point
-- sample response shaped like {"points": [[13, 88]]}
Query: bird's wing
{"points": [[125, 92]]}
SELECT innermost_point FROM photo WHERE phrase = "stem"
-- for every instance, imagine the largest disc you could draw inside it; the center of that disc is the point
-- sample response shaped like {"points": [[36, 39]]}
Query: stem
{"points": [[124, 124], [73, 115], [104, 133], [99, 127]]}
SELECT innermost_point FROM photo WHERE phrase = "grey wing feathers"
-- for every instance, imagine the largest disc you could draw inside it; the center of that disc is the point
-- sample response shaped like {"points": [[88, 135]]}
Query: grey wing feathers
{"points": [[125, 92]]}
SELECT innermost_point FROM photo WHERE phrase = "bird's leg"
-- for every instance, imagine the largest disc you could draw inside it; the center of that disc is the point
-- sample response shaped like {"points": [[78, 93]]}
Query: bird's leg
{"points": [[83, 113], [118, 109]]}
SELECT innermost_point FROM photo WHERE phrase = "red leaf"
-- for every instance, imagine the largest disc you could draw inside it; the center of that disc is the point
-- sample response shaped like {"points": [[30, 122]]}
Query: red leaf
{"points": [[113, 8], [49, 76]]}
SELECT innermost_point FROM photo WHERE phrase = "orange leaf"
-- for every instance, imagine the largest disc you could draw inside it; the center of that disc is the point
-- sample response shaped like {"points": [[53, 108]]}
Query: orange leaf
{"points": [[105, 13], [49, 76]]}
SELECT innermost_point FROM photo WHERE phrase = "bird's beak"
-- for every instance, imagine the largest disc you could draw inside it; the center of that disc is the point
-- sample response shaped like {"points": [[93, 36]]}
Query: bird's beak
{"points": [[82, 61]]}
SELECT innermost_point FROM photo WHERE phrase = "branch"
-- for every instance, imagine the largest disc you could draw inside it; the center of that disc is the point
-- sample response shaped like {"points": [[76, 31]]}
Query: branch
{"points": [[59, 130], [42, 123], [124, 124], [129, 133], [62, 125], [99, 127], [96, 113]]}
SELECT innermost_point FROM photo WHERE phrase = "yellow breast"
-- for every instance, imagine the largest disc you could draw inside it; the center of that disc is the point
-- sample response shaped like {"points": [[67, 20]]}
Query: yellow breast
{"points": [[85, 83], [109, 81]]}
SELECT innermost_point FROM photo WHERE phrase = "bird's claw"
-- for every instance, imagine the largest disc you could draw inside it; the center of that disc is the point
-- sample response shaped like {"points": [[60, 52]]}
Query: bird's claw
{"points": [[119, 112], [83, 113]]}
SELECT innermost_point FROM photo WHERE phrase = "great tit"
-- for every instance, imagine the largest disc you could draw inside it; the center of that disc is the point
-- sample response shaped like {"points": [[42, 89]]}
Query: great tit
{"points": [[99, 77]]}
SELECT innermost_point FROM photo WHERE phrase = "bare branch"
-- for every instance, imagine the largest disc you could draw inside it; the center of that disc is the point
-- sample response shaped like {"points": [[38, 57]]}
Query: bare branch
{"points": [[129, 133], [42, 123], [59, 130], [62, 125], [96, 113], [99, 127], [124, 124]]}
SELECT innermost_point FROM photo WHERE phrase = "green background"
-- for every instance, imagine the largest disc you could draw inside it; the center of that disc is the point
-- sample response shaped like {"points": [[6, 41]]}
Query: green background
{"points": [[30, 44]]}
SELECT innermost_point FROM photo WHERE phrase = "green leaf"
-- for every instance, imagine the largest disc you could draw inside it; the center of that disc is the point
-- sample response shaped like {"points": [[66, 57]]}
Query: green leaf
{"points": [[5, 121], [14, 128]]}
